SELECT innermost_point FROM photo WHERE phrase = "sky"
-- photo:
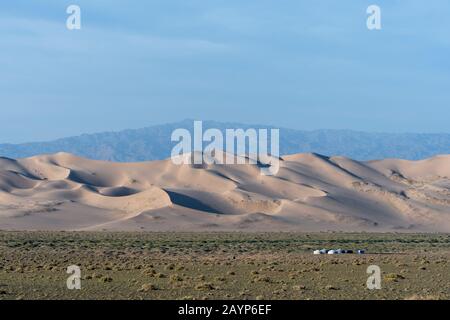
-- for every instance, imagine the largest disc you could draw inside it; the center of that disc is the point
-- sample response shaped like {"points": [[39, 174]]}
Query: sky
{"points": [[298, 64]]}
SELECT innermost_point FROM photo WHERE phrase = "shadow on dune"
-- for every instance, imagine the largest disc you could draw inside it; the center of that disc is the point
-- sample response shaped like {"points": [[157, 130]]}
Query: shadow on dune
{"points": [[118, 191], [189, 202]]}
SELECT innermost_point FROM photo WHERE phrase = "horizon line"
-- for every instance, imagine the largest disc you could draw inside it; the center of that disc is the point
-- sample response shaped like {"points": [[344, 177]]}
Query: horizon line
{"points": [[257, 125]]}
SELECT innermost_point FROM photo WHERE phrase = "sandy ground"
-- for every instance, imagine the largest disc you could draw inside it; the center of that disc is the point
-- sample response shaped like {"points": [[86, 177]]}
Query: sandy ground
{"points": [[310, 192]]}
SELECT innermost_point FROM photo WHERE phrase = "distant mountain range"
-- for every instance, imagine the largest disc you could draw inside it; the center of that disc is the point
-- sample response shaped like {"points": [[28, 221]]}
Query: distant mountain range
{"points": [[153, 143]]}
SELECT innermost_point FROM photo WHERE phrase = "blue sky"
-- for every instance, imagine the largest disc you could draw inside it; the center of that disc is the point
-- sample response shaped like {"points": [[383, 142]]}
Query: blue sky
{"points": [[299, 64]]}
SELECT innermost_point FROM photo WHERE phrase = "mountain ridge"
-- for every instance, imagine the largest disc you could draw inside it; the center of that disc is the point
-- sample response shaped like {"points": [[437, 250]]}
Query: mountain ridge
{"points": [[153, 143]]}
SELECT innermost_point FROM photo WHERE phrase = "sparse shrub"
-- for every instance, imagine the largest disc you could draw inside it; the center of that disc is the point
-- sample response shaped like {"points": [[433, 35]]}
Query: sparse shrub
{"points": [[221, 279], [106, 279], [149, 272], [393, 277], [170, 266], [205, 286], [148, 287], [330, 287], [299, 288], [175, 278], [263, 279]]}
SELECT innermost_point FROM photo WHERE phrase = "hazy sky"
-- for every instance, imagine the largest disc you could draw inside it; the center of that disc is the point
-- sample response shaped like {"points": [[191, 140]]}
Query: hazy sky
{"points": [[300, 64]]}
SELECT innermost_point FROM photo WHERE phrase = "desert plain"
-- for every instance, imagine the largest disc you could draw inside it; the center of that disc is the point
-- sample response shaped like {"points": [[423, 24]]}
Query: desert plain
{"points": [[155, 230], [191, 266]]}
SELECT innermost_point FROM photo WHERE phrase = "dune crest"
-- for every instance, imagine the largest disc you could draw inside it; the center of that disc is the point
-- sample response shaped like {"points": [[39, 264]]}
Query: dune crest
{"points": [[310, 192]]}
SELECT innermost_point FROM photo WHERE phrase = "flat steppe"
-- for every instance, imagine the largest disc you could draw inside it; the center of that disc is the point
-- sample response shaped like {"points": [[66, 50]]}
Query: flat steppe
{"points": [[134, 265]]}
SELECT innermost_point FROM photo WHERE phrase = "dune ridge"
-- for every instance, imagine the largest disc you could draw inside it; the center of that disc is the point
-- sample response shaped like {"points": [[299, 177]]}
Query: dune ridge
{"points": [[310, 192]]}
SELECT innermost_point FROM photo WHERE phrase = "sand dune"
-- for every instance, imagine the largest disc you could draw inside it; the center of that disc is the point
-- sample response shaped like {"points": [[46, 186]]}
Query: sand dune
{"points": [[309, 193]]}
